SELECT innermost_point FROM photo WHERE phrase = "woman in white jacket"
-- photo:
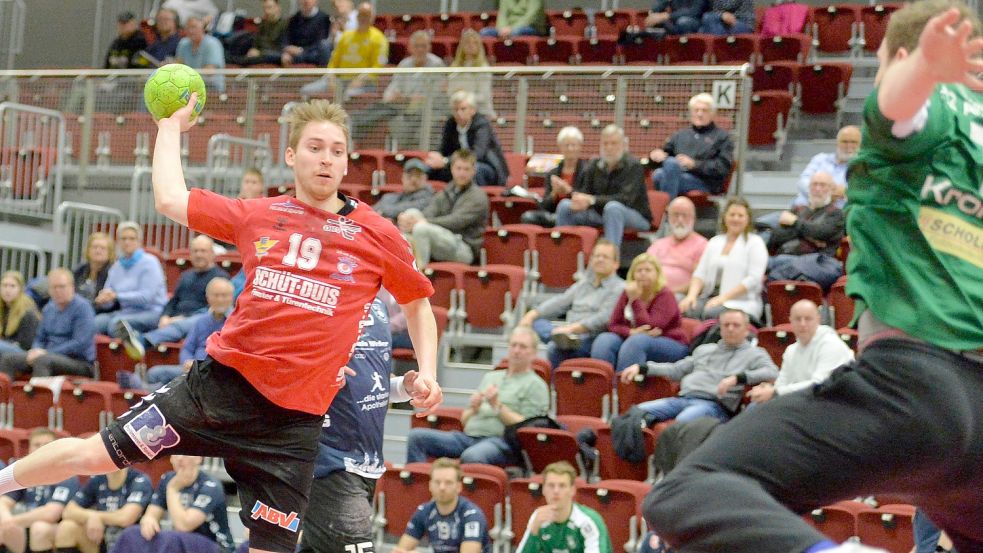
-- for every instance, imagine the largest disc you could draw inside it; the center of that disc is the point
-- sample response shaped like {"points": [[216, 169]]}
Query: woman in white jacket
{"points": [[731, 268]]}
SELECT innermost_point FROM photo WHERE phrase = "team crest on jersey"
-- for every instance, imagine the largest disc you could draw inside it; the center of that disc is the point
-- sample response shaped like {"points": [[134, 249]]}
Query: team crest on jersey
{"points": [[343, 226], [287, 207], [346, 266], [264, 245], [151, 433]]}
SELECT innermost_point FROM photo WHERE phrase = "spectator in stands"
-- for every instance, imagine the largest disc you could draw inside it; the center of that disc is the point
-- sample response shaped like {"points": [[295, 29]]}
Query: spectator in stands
{"points": [[105, 505], [559, 181], [832, 163], [584, 307], [202, 51], [452, 226], [417, 192], [817, 351], [205, 10], [363, 48], [450, 522], [91, 275], [680, 251], [124, 51], [471, 53], [645, 323], [186, 305], [219, 292], [729, 17], [399, 336], [406, 98], [252, 185], [28, 518], [814, 228], [563, 524], [19, 316], [307, 34], [270, 35], [696, 158], [166, 32], [731, 268], [65, 341], [712, 379], [610, 192], [503, 398], [677, 17], [518, 18], [135, 290], [469, 130], [345, 19], [195, 504]]}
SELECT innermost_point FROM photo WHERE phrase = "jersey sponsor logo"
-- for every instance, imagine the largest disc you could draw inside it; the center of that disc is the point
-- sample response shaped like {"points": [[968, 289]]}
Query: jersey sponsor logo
{"points": [[369, 467], [262, 511], [264, 245], [944, 194], [151, 433], [472, 529], [346, 266], [299, 291], [287, 207], [376, 382], [117, 450], [343, 226]]}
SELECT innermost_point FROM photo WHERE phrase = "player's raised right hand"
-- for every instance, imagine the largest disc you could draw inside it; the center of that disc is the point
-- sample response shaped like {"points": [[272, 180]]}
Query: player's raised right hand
{"points": [[951, 55], [181, 118]]}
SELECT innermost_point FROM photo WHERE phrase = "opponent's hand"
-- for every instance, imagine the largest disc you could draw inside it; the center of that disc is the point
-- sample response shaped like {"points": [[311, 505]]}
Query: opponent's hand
{"points": [[950, 56], [182, 117], [426, 394], [94, 529]]}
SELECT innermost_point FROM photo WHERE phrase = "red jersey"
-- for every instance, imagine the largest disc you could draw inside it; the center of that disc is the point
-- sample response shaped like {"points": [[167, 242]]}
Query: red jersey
{"points": [[311, 277]]}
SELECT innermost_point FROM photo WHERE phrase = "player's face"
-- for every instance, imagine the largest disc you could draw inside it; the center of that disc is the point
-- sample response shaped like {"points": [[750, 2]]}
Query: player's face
{"points": [[462, 172], [558, 489], [319, 162], [128, 242], [700, 115], [9, 289], [444, 486], [733, 328]]}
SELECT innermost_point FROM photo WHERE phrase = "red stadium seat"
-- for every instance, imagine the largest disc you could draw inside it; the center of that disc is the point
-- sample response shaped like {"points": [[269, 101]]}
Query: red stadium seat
{"points": [[556, 51], [644, 50], [32, 406], [837, 521], [166, 353], [13, 443], [509, 209], [448, 25], [84, 409], [775, 339], [485, 486], [873, 24], [780, 75], [794, 47], [110, 358], [490, 294], [509, 245], [525, 496], [542, 446], [446, 277], [611, 23], [734, 49], [612, 466], [619, 502], [123, 400], [518, 50], [564, 250], [583, 388], [691, 49], [835, 27], [643, 389], [783, 293], [176, 262], [841, 304], [888, 527], [824, 87], [401, 491], [406, 24], [770, 112], [601, 51], [444, 418], [567, 23], [392, 164], [363, 166], [231, 262]]}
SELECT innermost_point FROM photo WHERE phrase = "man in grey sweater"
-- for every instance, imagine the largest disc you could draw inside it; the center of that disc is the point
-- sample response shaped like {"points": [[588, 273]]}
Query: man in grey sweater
{"points": [[585, 307], [711, 380], [452, 226]]}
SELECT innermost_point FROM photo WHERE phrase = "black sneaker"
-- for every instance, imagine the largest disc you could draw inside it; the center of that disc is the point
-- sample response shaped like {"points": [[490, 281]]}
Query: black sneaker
{"points": [[567, 341], [132, 342]]}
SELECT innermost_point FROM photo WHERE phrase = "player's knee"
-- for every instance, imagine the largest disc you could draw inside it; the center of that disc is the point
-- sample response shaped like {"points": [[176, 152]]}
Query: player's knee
{"points": [[88, 456], [66, 535]]}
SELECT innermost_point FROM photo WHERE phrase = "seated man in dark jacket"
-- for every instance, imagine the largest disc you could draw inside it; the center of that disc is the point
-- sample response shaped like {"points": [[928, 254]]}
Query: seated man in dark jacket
{"points": [[610, 192], [452, 226], [469, 130], [697, 158], [814, 228], [677, 17]]}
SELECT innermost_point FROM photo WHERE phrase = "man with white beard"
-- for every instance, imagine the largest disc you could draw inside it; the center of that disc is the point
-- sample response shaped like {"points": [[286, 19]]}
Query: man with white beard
{"points": [[813, 228], [679, 251], [834, 163]]}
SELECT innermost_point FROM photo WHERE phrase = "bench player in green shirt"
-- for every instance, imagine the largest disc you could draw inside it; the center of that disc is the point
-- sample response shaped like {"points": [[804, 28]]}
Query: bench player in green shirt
{"points": [[906, 418], [563, 526]]}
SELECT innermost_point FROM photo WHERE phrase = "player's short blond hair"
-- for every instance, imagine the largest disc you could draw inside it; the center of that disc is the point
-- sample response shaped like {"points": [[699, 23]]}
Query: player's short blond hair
{"points": [[447, 463], [906, 25], [562, 468], [315, 111]]}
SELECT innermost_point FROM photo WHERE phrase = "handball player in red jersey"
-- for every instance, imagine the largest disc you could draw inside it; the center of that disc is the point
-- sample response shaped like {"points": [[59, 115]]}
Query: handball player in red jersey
{"points": [[313, 265]]}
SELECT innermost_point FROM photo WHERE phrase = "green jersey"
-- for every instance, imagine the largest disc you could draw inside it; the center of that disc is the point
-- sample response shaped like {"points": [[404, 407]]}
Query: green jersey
{"points": [[583, 532], [915, 219]]}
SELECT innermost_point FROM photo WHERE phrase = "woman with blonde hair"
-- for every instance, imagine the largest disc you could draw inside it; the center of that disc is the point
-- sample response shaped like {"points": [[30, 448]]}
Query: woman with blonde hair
{"points": [[471, 53], [731, 268], [645, 324], [90, 276], [19, 316]]}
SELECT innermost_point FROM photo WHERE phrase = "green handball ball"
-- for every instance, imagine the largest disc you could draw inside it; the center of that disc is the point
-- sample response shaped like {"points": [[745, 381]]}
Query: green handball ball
{"points": [[169, 88]]}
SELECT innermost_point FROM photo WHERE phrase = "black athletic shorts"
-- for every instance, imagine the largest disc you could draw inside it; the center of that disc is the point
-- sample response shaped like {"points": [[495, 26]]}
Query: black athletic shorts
{"points": [[213, 411]]}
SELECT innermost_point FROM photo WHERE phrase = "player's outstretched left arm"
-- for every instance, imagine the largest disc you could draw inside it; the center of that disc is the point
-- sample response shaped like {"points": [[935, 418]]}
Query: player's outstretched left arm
{"points": [[170, 190], [422, 328], [945, 54]]}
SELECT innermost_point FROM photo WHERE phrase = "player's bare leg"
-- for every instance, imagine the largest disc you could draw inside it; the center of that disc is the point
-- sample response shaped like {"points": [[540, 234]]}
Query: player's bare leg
{"points": [[57, 461]]}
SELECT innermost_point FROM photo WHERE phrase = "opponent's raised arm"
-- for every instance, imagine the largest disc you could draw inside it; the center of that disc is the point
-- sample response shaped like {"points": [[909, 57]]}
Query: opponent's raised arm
{"points": [[170, 190]]}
